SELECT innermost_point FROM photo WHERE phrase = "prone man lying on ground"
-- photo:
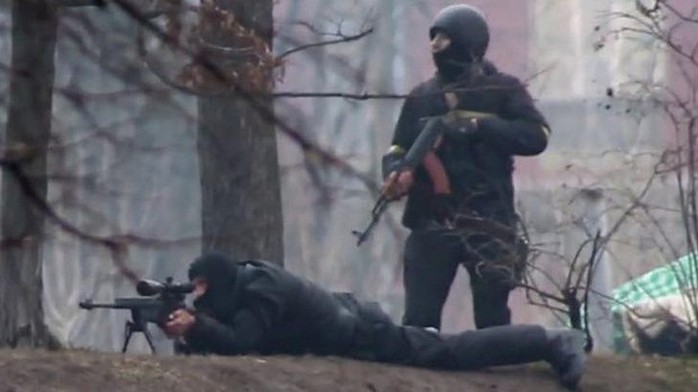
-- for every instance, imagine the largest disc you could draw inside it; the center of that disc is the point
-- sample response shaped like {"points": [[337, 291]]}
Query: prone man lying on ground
{"points": [[244, 307]]}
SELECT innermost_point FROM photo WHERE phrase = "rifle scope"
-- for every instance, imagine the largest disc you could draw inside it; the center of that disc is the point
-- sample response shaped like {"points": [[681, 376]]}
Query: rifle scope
{"points": [[147, 287]]}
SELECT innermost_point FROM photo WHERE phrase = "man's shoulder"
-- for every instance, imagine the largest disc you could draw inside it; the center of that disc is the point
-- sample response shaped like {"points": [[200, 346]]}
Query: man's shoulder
{"points": [[255, 270], [494, 74], [258, 268], [430, 85], [509, 80], [423, 93], [259, 263], [258, 277]]}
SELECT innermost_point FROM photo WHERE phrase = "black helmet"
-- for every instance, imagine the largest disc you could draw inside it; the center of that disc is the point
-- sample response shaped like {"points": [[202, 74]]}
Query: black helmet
{"points": [[466, 27]]}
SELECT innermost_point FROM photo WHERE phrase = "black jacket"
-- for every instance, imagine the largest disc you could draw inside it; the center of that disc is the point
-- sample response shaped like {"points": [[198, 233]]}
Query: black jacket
{"points": [[479, 166], [274, 312]]}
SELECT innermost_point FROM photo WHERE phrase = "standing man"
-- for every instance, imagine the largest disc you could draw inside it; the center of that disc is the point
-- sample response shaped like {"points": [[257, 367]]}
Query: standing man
{"points": [[460, 203]]}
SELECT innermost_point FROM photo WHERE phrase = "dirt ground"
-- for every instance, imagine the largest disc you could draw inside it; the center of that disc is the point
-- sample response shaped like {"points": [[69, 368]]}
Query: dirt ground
{"points": [[78, 370]]}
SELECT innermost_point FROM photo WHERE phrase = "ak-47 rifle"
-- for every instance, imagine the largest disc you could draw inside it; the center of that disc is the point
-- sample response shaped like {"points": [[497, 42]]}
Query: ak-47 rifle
{"points": [[422, 149], [162, 298], [422, 152]]}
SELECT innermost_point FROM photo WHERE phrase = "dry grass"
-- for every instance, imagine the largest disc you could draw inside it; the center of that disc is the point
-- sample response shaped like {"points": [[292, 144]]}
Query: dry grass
{"points": [[77, 370]]}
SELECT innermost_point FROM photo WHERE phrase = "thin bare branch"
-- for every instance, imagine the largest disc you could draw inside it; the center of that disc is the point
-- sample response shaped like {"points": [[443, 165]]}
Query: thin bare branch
{"points": [[340, 40]]}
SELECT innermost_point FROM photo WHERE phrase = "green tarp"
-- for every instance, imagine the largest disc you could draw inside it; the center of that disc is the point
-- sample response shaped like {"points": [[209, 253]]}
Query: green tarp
{"points": [[671, 280]]}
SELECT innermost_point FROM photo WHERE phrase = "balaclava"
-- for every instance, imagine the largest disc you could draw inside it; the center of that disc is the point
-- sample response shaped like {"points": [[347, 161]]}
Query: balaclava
{"points": [[220, 271]]}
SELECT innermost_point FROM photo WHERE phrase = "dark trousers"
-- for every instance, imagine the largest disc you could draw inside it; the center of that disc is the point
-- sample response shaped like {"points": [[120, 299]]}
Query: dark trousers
{"points": [[377, 338], [469, 350], [431, 260]]}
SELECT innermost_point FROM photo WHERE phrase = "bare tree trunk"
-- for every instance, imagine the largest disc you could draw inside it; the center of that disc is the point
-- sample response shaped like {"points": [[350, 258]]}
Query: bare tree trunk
{"points": [[241, 200], [34, 26]]}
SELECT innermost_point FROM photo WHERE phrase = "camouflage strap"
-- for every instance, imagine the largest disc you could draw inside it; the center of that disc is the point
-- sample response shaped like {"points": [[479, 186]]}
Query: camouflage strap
{"points": [[489, 227], [511, 263]]}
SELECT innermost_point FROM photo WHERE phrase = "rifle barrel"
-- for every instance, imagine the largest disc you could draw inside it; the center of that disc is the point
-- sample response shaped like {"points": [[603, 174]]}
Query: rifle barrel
{"points": [[122, 303]]}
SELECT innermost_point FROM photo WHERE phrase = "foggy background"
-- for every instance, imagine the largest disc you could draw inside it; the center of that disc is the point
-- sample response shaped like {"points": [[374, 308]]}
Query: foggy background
{"points": [[124, 152]]}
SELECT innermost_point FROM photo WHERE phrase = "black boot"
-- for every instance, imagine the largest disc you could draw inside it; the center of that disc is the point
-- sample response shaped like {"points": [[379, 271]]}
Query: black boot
{"points": [[566, 354], [518, 344]]}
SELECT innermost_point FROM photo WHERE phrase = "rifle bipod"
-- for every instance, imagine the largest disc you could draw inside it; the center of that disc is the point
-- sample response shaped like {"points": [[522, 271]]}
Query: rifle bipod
{"points": [[137, 325]]}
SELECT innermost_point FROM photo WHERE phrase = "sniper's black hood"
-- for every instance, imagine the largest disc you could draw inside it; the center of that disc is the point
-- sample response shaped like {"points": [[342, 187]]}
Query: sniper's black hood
{"points": [[220, 271]]}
